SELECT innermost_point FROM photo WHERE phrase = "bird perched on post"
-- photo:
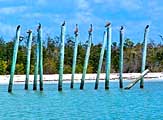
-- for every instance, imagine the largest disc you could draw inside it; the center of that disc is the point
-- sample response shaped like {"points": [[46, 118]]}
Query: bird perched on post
{"points": [[90, 30], [76, 30], [107, 24], [147, 27], [39, 26], [121, 28], [18, 27], [63, 23], [29, 31]]}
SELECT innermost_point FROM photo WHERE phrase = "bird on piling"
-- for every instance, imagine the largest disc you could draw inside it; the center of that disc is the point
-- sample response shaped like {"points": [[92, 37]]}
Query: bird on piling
{"points": [[18, 27], [90, 30], [63, 24], [39, 26], [107, 24], [121, 28], [29, 31], [76, 30], [147, 27], [20, 37]]}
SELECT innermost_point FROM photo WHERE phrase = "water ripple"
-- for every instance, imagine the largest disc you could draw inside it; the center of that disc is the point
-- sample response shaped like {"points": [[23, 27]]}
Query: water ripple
{"points": [[84, 104]]}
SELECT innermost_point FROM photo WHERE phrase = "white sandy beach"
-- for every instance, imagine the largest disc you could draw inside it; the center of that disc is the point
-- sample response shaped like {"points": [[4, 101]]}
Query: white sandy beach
{"points": [[53, 78]]}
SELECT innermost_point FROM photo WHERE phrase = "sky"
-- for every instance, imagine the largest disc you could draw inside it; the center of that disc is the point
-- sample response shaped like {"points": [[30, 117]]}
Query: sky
{"points": [[134, 15]]}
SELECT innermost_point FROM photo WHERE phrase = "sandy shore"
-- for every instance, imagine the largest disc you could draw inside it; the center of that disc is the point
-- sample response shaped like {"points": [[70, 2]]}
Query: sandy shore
{"points": [[53, 78]]}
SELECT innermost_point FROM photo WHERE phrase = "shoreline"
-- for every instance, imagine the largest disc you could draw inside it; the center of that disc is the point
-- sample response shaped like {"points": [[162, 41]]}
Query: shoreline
{"points": [[53, 78]]}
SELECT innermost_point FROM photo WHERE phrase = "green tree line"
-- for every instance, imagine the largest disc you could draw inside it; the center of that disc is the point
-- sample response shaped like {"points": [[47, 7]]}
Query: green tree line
{"points": [[132, 56]]}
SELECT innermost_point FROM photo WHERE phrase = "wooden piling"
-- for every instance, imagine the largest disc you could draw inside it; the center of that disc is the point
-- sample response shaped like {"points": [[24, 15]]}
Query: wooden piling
{"points": [[61, 57], [108, 55], [14, 58], [121, 57], [144, 54], [86, 57], [40, 56], [135, 81], [101, 60], [36, 66], [74, 57], [29, 41]]}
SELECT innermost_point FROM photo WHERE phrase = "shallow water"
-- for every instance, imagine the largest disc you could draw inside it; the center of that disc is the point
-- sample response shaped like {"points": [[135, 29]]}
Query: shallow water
{"points": [[87, 104]]}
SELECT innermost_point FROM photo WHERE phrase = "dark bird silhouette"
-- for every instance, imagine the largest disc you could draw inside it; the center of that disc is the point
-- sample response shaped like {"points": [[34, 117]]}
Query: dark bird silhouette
{"points": [[107, 24], [121, 28], [76, 30], [29, 31], [147, 27], [161, 37], [90, 30], [39, 27], [18, 27], [63, 23]]}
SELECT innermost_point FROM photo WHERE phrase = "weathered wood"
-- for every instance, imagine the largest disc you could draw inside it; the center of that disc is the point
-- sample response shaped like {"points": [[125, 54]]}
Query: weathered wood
{"points": [[144, 54], [29, 41], [108, 55], [36, 66], [14, 58], [86, 58], [40, 56], [74, 57], [101, 60], [139, 78], [61, 57], [121, 57]]}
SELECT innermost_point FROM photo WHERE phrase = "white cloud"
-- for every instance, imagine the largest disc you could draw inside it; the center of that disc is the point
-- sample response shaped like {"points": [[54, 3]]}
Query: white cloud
{"points": [[131, 4], [99, 1], [83, 4], [155, 10], [34, 15], [7, 30], [6, 0], [41, 2], [123, 4], [12, 10], [56, 18], [83, 13]]}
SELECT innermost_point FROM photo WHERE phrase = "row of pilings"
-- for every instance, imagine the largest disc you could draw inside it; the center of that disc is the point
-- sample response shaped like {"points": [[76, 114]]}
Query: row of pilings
{"points": [[38, 65]]}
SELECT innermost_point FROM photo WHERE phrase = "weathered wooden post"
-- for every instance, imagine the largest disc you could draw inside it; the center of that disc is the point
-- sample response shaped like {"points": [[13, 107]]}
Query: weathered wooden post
{"points": [[29, 41], [74, 57], [135, 81], [61, 57], [121, 57], [39, 30], [144, 54], [86, 58], [101, 60], [108, 55], [36, 64], [14, 58]]}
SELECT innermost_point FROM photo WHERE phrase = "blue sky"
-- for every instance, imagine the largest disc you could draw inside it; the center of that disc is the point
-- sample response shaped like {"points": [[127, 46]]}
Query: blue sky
{"points": [[134, 15]]}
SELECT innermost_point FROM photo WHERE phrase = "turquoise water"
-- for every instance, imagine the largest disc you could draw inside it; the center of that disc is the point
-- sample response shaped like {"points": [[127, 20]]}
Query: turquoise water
{"points": [[87, 104]]}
